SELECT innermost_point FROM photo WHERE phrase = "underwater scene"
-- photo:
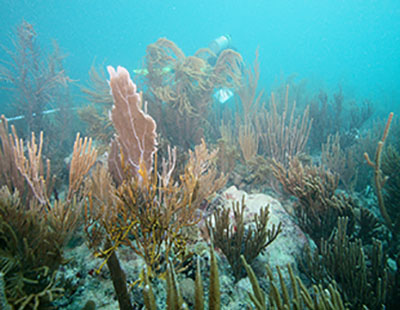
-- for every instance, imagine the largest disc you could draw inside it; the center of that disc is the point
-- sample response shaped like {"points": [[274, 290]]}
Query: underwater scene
{"points": [[199, 155]]}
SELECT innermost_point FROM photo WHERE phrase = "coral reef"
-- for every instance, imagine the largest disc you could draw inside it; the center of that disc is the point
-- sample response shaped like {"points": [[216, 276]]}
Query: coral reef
{"points": [[149, 207]]}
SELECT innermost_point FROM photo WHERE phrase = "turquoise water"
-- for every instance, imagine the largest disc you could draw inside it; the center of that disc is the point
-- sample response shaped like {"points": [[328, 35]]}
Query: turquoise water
{"points": [[355, 44]]}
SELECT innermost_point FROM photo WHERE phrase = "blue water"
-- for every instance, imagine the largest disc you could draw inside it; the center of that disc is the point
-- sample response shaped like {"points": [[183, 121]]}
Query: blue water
{"points": [[355, 44]]}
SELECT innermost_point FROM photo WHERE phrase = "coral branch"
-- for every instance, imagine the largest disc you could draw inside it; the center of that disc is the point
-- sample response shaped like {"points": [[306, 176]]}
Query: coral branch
{"points": [[9, 173], [32, 167], [283, 135], [83, 158], [379, 179]]}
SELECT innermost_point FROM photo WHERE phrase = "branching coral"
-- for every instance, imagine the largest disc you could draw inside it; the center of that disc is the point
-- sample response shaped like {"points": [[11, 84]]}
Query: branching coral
{"points": [[391, 169], [32, 241], [31, 252], [362, 274], [318, 205], [387, 173], [283, 135], [337, 116], [236, 239], [340, 161], [3, 300], [174, 297], [281, 297], [149, 213], [316, 298], [10, 176], [34, 228], [379, 178]]}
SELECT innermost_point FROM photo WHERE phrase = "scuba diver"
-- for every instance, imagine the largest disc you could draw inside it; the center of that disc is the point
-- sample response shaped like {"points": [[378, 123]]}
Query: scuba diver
{"points": [[218, 45]]}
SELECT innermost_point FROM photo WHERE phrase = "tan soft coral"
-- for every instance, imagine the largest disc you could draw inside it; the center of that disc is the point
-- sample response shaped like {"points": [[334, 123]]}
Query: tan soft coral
{"points": [[136, 130]]}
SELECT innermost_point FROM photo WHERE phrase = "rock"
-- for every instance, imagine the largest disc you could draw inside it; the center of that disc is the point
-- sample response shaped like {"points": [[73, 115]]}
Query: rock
{"points": [[291, 241]]}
